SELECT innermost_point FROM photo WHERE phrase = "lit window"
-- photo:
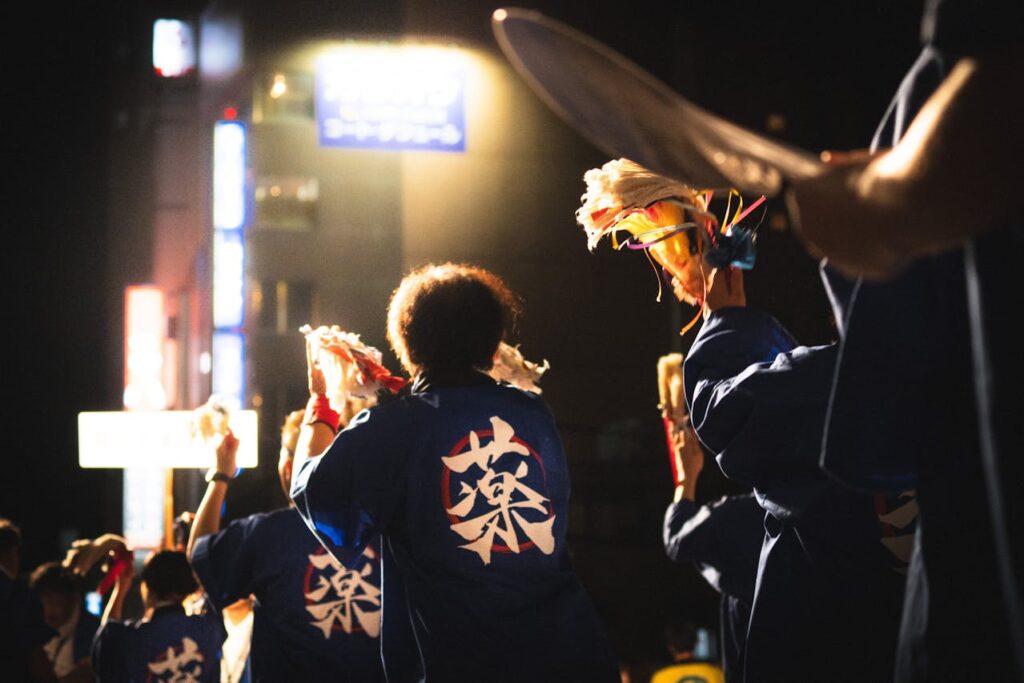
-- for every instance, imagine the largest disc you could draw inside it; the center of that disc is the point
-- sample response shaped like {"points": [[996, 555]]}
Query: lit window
{"points": [[281, 97], [286, 203], [281, 306]]}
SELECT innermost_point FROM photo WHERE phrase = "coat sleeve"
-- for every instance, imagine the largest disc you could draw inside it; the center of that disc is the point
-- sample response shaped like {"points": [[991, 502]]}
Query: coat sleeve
{"points": [[723, 538], [348, 495], [225, 561], [757, 399]]}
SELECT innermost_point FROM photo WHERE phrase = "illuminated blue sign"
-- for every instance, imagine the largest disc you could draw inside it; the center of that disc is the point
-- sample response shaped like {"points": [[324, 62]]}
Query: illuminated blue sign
{"points": [[228, 381], [228, 175], [228, 279], [392, 97], [229, 200]]}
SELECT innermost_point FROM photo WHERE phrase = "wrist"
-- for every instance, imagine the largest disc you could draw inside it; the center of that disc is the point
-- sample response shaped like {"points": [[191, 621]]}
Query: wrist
{"points": [[319, 409], [686, 487], [215, 475], [685, 492]]}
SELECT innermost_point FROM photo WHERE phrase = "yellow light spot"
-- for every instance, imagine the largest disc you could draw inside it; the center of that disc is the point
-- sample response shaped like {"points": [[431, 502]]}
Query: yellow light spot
{"points": [[280, 86]]}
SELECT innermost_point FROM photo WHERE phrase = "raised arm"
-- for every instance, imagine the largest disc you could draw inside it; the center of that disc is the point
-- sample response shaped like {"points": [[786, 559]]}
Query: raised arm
{"points": [[689, 458], [115, 603], [321, 423], [952, 176], [207, 519], [757, 400]]}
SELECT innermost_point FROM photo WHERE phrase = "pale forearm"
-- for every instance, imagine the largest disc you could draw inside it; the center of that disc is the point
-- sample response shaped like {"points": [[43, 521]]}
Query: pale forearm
{"points": [[953, 174], [115, 605], [314, 439], [951, 177]]}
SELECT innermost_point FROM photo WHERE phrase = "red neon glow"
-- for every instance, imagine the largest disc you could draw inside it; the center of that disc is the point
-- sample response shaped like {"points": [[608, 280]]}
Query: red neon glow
{"points": [[230, 113], [144, 332]]}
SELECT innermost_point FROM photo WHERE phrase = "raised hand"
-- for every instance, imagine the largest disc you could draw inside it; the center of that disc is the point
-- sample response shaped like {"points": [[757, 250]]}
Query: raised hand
{"points": [[227, 454], [85, 553], [725, 290], [317, 382]]}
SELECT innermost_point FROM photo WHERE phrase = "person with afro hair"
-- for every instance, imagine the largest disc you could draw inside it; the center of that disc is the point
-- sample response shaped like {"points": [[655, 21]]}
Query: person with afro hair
{"points": [[465, 481]]}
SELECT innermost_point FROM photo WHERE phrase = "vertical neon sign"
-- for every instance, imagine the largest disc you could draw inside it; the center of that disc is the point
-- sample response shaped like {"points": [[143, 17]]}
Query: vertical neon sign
{"points": [[228, 344]]}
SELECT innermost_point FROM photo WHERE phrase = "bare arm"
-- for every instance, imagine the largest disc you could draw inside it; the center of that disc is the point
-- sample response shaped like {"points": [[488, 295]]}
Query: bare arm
{"points": [[314, 439], [689, 462], [115, 605], [952, 176], [315, 434], [207, 520]]}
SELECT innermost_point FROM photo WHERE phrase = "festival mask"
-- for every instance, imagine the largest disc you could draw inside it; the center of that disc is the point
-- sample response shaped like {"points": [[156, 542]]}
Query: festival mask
{"points": [[669, 221], [663, 230]]}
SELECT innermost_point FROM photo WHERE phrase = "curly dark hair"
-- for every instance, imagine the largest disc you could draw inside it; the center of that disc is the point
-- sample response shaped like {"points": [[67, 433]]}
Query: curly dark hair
{"points": [[450, 317], [168, 574]]}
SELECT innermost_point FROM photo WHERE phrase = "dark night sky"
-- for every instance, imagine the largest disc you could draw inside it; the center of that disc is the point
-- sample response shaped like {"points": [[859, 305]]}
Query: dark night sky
{"points": [[842, 67], [56, 360]]}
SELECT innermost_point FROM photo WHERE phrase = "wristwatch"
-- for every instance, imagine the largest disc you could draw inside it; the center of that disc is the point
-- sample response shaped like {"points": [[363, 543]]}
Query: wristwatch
{"points": [[214, 475]]}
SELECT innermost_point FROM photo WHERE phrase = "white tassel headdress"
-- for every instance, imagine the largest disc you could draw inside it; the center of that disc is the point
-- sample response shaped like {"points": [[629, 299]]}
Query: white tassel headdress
{"points": [[622, 186]]}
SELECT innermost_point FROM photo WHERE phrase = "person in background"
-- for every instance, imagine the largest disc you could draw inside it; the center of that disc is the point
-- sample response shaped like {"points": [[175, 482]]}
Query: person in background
{"points": [[166, 644], [314, 618], [681, 641], [466, 480], [62, 596], [724, 540], [23, 631], [234, 664]]}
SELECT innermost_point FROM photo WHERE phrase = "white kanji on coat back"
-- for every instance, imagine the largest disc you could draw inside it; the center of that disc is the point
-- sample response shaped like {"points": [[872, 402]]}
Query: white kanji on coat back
{"points": [[496, 507], [182, 664], [341, 598]]}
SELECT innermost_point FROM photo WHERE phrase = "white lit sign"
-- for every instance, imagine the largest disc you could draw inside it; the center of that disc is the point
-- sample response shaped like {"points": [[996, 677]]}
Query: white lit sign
{"points": [[174, 48], [392, 97], [157, 439], [228, 279], [228, 175]]}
